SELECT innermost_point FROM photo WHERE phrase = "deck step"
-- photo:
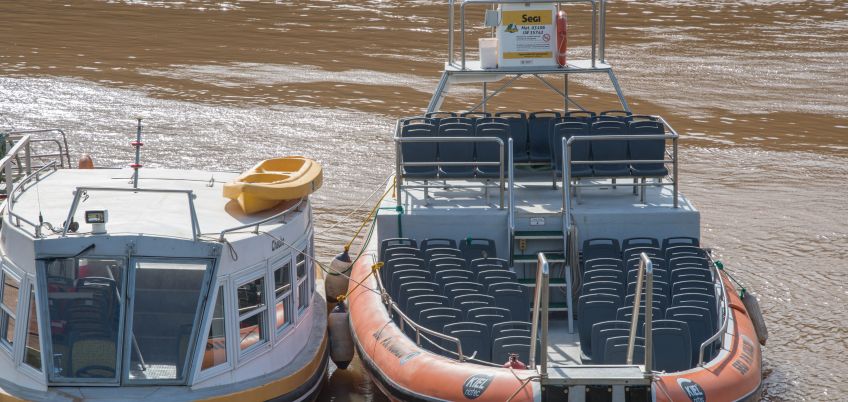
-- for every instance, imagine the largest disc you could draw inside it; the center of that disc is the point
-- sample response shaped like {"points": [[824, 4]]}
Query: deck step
{"points": [[572, 375], [538, 234], [532, 258]]}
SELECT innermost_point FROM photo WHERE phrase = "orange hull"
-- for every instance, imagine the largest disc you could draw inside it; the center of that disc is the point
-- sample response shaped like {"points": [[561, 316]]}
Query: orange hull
{"points": [[404, 371]]}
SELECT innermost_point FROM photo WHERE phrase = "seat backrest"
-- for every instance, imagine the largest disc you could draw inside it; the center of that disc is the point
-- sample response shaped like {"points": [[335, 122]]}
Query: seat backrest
{"points": [[659, 275], [394, 291], [610, 287], [675, 349], [392, 282], [604, 274], [475, 343], [688, 261], [404, 288], [440, 114], [509, 327], [452, 151], [488, 151], [477, 248], [601, 248], [646, 149], [609, 150], [540, 124], [455, 120], [660, 288], [581, 115], [626, 313], [640, 242], [440, 276], [707, 287], [473, 286], [616, 352], [704, 312], [496, 273], [414, 308], [427, 244], [504, 346], [408, 293], [699, 330], [489, 261], [476, 115], [419, 151], [680, 241], [494, 287], [603, 263], [621, 115], [395, 242], [659, 301], [434, 263], [438, 252], [479, 297], [399, 251], [567, 128], [514, 300], [479, 311], [688, 274], [590, 313], [419, 120], [518, 130], [598, 339]]}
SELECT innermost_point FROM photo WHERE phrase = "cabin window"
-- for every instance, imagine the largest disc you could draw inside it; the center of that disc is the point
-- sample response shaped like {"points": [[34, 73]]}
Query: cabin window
{"points": [[164, 310], [85, 306], [283, 294], [251, 308], [8, 306], [216, 343], [32, 352], [302, 282]]}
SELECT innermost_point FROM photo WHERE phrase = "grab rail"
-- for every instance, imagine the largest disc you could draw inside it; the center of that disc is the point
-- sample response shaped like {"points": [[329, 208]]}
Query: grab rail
{"points": [[256, 224], [511, 212], [62, 151], [79, 191], [399, 163], [464, 3], [21, 144], [540, 302], [646, 270], [725, 315]]}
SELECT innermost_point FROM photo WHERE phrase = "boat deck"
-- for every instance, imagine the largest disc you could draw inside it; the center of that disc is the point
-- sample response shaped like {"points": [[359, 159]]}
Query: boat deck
{"points": [[159, 213]]}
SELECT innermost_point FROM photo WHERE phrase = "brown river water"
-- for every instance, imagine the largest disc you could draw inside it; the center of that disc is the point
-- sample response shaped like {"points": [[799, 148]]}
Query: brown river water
{"points": [[758, 89]]}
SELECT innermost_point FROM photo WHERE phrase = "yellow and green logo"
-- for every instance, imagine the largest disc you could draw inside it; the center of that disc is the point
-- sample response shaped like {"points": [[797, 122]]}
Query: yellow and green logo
{"points": [[511, 28]]}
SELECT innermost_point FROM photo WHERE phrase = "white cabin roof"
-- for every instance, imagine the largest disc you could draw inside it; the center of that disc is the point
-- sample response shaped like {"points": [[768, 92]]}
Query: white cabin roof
{"points": [[152, 213]]}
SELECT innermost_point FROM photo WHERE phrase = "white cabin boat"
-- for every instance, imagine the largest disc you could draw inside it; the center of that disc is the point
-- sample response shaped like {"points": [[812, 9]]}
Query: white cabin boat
{"points": [[128, 284]]}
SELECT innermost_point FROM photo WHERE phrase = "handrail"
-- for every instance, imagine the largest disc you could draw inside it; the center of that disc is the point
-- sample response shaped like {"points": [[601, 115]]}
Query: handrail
{"points": [[464, 3], [262, 221], [36, 174], [79, 191], [511, 212], [66, 153], [393, 307], [399, 163], [725, 316], [6, 165], [540, 301], [646, 270]]}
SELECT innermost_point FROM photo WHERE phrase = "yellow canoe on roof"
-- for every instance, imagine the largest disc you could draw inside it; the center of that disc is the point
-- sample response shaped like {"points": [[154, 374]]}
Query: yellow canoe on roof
{"points": [[273, 181]]}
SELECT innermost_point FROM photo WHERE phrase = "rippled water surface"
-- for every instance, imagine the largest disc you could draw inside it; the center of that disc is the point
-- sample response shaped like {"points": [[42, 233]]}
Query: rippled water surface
{"points": [[758, 88]]}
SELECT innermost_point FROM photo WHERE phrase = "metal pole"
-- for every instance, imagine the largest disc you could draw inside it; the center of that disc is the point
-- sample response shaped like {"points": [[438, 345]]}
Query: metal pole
{"points": [[501, 166], [565, 93], [484, 97], [450, 33], [545, 306], [566, 181], [462, 32], [674, 170], [594, 29], [137, 144], [603, 30], [649, 311]]}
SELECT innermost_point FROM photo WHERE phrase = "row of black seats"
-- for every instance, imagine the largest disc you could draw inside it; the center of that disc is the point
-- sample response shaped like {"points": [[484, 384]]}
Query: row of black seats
{"points": [[537, 138], [684, 299], [446, 289]]}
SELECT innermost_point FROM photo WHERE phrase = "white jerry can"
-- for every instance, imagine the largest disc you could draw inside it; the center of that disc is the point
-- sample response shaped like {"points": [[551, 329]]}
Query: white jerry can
{"points": [[527, 35]]}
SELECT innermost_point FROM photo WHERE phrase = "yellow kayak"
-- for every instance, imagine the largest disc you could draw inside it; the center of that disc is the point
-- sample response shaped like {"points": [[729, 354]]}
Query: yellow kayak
{"points": [[273, 181]]}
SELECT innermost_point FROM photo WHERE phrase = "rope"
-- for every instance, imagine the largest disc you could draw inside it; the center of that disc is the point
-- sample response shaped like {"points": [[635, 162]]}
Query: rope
{"points": [[374, 269], [367, 218], [355, 210], [742, 289]]}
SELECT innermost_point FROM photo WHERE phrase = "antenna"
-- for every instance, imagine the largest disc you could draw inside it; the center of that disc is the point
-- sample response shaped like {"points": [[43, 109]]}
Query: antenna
{"points": [[137, 144]]}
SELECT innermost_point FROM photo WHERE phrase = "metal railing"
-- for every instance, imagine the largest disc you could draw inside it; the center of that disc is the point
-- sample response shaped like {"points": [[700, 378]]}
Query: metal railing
{"points": [[646, 275], [62, 146], [567, 162], [400, 164], [10, 160], [511, 212], [281, 216], [80, 191], [725, 311], [464, 3], [540, 307]]}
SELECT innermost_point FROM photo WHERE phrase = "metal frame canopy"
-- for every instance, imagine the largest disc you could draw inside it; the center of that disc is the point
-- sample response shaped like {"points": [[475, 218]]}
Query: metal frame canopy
{"points": [[459, 70]]}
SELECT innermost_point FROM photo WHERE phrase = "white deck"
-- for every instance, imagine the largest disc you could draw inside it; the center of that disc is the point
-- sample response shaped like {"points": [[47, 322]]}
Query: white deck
{"points": [[160, 214]]}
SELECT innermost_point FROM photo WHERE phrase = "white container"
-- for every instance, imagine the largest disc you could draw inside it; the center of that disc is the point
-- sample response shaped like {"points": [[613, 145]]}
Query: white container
{"points": [[488, 53], [527, 35]]}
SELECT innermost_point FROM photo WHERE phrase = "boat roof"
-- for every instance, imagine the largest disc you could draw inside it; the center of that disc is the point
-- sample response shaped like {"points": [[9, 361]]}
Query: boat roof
{"points": [[148, 212]]}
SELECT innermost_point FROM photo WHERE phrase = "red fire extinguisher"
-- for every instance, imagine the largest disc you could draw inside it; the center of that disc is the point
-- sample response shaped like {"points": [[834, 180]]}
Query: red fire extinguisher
{"points": [[562, 37]]}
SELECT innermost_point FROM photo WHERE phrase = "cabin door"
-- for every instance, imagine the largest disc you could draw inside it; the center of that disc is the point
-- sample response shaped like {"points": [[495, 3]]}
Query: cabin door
{"points": [[162, 318]]}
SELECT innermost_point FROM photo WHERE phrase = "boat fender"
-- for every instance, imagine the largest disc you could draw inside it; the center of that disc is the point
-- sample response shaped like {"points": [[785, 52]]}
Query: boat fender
{"points": [[336, 282], [85, 162], [752, 304], [562, 37], [341, 342], [514, 363]]}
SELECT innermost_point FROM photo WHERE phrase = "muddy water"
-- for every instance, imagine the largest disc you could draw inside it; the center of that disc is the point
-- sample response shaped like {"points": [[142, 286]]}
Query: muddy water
{"points": [[758, 88]]}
